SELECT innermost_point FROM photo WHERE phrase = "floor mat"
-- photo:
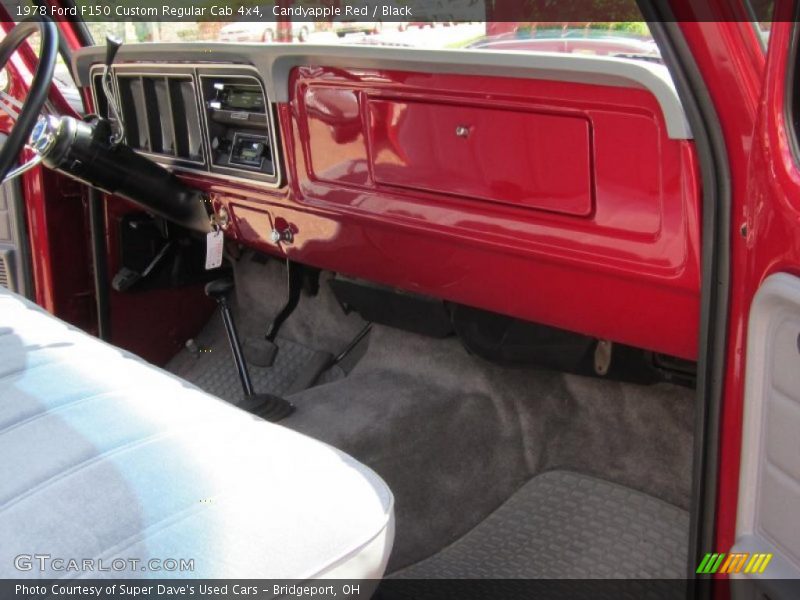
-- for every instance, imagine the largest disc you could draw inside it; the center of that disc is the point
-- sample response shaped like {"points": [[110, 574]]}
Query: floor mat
{"points": [[212, 368], [565, 525]]}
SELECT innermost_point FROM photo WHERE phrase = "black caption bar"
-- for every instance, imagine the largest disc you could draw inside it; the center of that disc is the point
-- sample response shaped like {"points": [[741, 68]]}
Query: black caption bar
{"points": [[391, 589], [397, 11]]}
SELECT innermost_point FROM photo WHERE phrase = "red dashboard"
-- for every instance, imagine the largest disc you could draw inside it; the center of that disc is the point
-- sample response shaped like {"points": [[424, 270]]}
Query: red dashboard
{"points": [[569, 203]]}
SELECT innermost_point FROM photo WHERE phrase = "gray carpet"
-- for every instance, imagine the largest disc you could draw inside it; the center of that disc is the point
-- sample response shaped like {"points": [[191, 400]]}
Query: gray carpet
{"points": [[455, 436], [563, 524]]}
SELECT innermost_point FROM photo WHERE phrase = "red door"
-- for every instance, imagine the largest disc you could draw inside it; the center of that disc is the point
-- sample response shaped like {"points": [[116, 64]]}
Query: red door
{"points": [[768, 227], [757, 454]]}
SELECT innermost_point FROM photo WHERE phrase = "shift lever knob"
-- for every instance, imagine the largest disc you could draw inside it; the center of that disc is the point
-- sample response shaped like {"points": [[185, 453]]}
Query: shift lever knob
{"points": [[219, 288], [112, 47]]}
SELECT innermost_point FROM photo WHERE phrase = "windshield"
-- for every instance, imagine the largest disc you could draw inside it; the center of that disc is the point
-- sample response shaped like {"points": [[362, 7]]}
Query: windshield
{"points": [[622, 39]]}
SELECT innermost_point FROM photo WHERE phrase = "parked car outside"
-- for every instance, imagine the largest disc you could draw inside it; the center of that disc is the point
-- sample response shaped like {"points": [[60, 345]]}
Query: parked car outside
{"points": [[345, 27], [573, 42], [262, 31]]}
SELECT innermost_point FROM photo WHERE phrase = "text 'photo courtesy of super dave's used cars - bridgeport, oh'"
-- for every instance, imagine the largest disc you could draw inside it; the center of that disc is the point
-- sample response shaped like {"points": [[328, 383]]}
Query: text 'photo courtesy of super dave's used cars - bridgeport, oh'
{"points": [[400, 299]]}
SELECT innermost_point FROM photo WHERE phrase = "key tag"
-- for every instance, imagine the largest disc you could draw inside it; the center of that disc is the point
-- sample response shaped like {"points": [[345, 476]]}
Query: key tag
{"points": [[214, 246]]}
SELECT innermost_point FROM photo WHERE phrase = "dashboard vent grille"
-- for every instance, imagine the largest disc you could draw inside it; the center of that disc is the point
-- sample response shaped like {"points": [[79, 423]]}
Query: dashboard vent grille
{"points": [[5, 269], [161, 115]]}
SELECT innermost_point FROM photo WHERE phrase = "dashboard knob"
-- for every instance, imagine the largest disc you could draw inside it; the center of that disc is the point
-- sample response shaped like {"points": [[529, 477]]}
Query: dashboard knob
{"points": [[277, 236]]}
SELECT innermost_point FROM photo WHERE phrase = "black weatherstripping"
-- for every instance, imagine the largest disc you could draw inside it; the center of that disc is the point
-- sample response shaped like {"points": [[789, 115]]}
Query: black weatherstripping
{"points": [[792, 99], [712, 154]]}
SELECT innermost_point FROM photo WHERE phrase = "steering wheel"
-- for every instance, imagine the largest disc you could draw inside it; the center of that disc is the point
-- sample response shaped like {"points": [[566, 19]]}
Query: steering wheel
{"points": [[25, 114]]}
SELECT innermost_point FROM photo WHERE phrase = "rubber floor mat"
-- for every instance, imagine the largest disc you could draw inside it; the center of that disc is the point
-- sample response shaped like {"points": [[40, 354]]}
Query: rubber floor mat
{"points": [[566, 525], [211, 368]]}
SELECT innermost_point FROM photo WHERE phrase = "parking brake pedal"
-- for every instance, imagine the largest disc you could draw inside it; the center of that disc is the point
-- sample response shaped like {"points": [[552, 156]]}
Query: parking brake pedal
{"points": [[268, 406], [262, 352]]}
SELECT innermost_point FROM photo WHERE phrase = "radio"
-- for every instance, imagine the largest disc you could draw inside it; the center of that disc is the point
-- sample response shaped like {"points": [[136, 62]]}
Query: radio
{"points": [[238, 97], [238, 125]]}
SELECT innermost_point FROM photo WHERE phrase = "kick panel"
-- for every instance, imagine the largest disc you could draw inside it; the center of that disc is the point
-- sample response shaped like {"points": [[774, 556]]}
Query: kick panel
{"points": [[769, 489], [463, 150]]}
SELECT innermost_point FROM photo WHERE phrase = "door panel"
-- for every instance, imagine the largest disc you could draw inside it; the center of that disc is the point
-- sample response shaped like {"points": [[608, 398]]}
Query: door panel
{"points": [[11, 266], [770, 477], [765, 266]]}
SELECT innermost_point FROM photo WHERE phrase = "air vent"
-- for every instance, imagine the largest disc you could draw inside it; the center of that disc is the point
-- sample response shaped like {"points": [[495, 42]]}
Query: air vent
{"points": [[161, 116], [6, 279]]}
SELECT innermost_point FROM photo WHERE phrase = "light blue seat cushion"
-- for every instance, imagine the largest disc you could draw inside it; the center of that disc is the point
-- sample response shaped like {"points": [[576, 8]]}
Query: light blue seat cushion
{"points": [[106, 457]]}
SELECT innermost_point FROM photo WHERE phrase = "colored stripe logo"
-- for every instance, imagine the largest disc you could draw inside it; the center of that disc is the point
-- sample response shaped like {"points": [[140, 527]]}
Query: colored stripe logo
{"points": [[735, 562]]}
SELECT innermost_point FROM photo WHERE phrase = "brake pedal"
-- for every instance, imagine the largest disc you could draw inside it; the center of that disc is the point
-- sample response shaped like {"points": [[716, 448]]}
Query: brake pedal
{"points": [[262, 352]]}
